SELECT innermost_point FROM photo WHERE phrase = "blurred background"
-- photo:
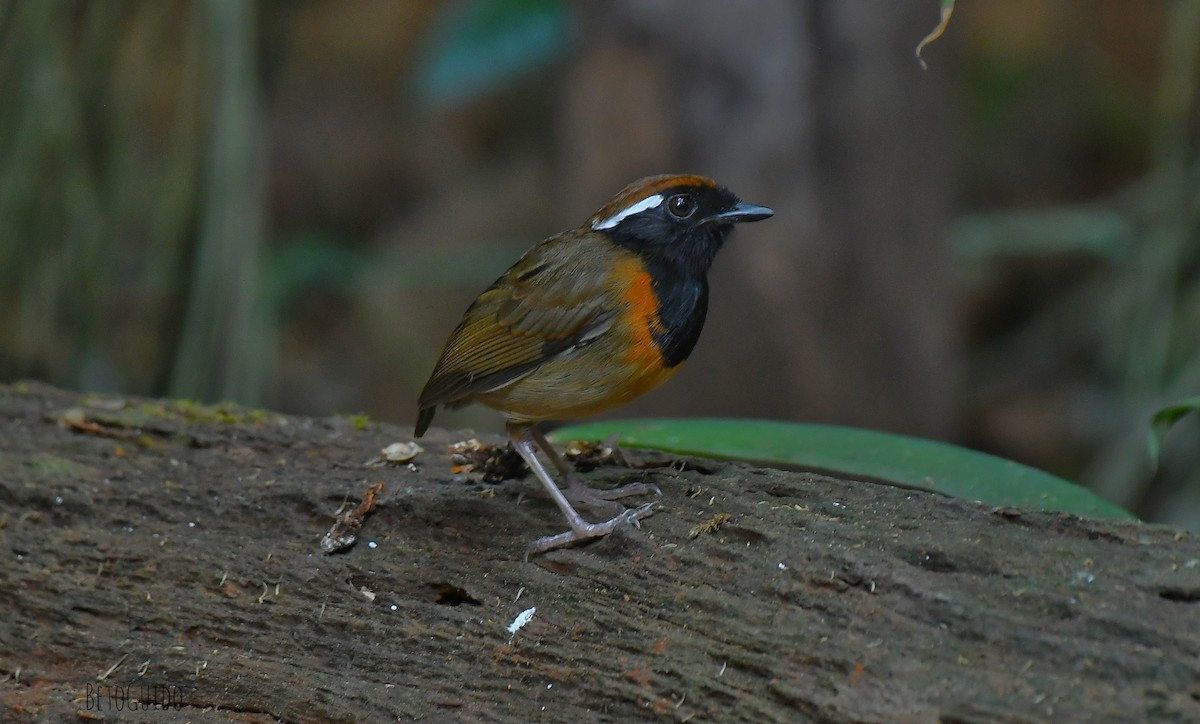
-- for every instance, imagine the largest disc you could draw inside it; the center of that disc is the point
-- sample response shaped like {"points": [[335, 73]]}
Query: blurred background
{"points": [[290, 204]]}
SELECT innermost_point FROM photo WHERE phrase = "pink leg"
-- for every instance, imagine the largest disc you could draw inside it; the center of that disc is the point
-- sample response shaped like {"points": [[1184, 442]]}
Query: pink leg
{"points": [[577, 492], [523, 436]]}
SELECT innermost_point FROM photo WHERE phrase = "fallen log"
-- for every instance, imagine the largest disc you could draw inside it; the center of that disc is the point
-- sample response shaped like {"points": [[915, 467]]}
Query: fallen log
{"points": [[168, 556]]}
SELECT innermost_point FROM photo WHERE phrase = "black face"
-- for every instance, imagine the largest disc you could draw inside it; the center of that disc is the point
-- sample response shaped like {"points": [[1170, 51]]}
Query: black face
{"points": [[686, 226], [678, 231]]}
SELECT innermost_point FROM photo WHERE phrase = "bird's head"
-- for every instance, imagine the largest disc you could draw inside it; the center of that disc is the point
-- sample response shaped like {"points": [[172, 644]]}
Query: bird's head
{"points": [[674, 218]]}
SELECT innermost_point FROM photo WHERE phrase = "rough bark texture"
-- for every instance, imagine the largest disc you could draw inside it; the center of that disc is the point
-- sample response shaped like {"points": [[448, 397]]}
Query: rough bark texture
{"points": [[183, 543]]}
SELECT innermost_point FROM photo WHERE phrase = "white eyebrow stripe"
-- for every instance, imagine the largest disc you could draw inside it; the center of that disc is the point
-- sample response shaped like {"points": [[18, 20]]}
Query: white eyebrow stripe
{"points": [[645, 204]]}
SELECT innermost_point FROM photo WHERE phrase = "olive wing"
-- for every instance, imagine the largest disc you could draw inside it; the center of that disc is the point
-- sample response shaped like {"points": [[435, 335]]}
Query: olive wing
{"points": [[546, 303]]}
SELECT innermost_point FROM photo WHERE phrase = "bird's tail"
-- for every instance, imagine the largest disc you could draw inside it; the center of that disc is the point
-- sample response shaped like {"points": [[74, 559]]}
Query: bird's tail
{"points": [[424, 417]]}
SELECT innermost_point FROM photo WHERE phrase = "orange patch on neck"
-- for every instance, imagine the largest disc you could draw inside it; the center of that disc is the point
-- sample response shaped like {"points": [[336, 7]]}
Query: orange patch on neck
{"points": [[643, 354], [643, 303]]}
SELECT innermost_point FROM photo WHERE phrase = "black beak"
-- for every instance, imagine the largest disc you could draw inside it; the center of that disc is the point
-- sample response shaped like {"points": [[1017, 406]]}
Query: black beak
{"points": [[742, 212]]}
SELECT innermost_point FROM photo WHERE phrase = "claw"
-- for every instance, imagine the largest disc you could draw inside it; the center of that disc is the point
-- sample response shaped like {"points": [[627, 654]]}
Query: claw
{"points": [[577, 492], [587, 531]]}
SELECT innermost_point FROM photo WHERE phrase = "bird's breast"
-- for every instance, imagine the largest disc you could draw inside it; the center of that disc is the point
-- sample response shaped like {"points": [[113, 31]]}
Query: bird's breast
{"points": [[681, 299], [644, 327], [618, 366]]}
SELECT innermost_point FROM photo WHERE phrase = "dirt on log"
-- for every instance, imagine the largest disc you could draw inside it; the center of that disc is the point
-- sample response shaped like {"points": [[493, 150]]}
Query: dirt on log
{"points": [[163, 561]]}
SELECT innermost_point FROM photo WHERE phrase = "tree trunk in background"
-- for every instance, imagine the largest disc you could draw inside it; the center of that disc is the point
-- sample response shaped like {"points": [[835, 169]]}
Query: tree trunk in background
{"points": [[841, 309], [225, 346]]}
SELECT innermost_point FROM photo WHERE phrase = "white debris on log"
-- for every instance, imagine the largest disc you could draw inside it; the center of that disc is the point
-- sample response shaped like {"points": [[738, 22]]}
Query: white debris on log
{"points": [[522, 618]]}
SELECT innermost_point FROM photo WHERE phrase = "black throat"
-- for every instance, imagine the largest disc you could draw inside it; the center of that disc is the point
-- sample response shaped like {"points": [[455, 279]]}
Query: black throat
{"points": [[682, 308], [679, 275]]}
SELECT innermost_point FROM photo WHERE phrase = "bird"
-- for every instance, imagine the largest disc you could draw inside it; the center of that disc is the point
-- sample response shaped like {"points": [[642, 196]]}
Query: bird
{"points": [[586, 321]]}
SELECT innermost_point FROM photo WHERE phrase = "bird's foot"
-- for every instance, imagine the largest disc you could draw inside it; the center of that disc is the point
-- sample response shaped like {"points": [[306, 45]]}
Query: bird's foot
{"points": [[586, 531], [579, 493]]}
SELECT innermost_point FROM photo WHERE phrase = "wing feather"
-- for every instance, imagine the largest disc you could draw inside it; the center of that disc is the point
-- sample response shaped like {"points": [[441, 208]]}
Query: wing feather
{"points": [[543, 305]]}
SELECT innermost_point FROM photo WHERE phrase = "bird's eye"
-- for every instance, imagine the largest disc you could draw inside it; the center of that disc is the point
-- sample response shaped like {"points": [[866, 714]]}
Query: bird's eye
{"points": [[681, 206]]}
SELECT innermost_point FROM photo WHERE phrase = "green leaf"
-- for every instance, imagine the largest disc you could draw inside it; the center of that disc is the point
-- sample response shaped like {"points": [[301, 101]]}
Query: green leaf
{"points": [[310, 260], [482, 45], [1164, 419], [893, 459], [1093, 232]]}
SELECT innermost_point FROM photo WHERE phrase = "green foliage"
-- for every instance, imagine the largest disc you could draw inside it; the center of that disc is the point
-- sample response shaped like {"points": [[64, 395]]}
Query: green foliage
{"points": [[893, 459], [1128, 313], [131, 197], [312, 260], [485, 44], [1098, 232], [1164, 419], [56, 215]]}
